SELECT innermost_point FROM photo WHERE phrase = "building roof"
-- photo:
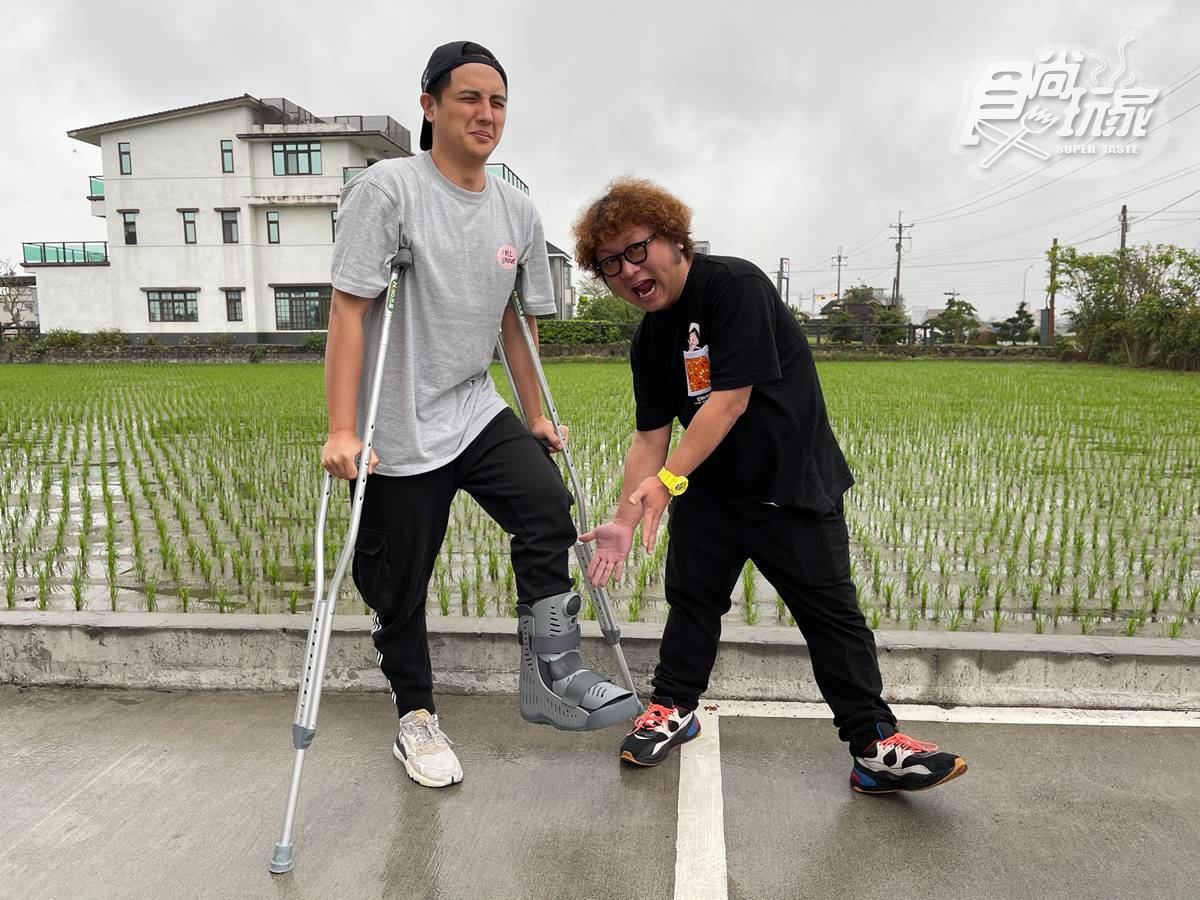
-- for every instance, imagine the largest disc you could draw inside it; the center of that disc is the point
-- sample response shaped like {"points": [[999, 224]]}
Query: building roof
{"points": [[555, 251], [91, 133], [272, 111]]}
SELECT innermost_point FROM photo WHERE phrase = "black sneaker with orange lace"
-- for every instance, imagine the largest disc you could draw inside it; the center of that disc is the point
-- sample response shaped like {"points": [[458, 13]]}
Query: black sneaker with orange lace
{"points": [[657, 731], [896, 762]]}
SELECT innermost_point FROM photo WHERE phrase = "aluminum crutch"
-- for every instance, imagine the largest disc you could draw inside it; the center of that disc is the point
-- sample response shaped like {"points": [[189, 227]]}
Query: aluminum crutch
{"points": [[605, 614], [304, 727]]}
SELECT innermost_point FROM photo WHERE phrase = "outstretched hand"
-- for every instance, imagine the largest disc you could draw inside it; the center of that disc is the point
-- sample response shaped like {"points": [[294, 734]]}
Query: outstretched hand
{"points": [[613, 542]]}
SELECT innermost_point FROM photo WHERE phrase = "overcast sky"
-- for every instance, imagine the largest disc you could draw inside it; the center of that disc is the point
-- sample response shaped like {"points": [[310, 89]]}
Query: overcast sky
{"points": [[790, 128]]}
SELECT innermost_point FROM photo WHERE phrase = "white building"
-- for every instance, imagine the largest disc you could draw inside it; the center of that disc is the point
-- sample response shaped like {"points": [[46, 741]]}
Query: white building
{"points": [[220, 218]]}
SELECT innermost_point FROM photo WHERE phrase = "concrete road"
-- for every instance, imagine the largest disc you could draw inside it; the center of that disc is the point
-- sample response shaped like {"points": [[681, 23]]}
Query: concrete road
{"points": [[154, 794]]}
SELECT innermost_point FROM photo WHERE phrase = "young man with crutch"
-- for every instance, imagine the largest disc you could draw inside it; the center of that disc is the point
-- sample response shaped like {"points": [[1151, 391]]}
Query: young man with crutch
{"points": [[757, 475], [441, 426]]}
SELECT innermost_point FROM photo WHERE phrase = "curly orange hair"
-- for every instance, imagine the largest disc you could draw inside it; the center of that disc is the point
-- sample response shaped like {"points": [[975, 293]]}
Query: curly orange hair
{"points": [[626, 203]]}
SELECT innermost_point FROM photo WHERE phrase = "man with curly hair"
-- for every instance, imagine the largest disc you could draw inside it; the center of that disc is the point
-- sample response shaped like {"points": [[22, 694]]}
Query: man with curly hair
{"points": [[757, 475]]}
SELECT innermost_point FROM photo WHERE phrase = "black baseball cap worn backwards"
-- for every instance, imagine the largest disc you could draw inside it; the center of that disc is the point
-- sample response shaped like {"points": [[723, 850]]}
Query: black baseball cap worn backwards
{"points": [[445, 59]]}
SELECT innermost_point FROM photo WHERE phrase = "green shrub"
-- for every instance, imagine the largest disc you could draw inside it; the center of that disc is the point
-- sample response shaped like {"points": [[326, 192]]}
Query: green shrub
{"points": [[579, 332], [224, 339], [257, 352], [109, 339], [315, 341], [62, 340]]}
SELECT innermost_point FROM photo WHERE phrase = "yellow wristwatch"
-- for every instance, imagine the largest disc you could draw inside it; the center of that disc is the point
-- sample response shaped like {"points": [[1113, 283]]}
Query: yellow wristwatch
{"points": [[676, 484]]}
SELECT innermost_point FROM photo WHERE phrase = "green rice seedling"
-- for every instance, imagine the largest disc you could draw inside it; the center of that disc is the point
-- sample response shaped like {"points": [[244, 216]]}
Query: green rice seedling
{"points": [[77, 579], [481, 601], [914, 619], [493, 565], [1190, 599], [10, 587], [1174, 627], [997, 622], [223, 599], [634, 607], [589, 610], [183, 597], [955, 621], [876, 616], [293, 601], [780, 608], [1087, 624], [1114, 598], [1056, 613], [1056, 579], [443, 597], [749, 612], [889, 596], [151, 591], [1039, 623], [1158, 594], [1035, 595], [1076, 600]]}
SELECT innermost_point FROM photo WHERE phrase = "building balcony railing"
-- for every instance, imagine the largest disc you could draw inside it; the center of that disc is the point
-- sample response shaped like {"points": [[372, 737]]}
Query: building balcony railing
{"points": [[74, 253], [95, 187], [504, 173]]}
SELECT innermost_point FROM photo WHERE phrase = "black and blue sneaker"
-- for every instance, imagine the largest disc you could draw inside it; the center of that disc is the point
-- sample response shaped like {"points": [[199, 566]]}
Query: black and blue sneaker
{"points": [[896, 762], [657, 731]]}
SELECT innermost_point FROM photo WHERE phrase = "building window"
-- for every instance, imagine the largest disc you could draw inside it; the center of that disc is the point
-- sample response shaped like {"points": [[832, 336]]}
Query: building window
{"points": [[126, 159], [189, 225], [229, 226], [333, 225], [173, 306], [272, 228], [302, 308], [302, 158], [130, 220], [233, 305], [227, 156]]}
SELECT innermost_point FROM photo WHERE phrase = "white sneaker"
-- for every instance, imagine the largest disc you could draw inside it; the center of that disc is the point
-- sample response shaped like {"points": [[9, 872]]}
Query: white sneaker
{"points": [[425, 751]]}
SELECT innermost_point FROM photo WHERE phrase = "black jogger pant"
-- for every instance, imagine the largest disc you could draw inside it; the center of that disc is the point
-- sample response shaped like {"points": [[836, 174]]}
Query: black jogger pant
{"points": [[806, 558], [404, 520]]}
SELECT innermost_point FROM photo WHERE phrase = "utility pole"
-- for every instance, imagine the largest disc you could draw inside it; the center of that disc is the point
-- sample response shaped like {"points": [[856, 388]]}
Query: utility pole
{"points": [[1121, 255], [899, 226], [839, 261], [1053, 290]]}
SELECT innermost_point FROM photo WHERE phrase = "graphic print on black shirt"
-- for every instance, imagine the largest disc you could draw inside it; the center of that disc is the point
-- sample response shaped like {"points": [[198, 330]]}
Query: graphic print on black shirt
{"points": [[696, 367], [729, 329]]}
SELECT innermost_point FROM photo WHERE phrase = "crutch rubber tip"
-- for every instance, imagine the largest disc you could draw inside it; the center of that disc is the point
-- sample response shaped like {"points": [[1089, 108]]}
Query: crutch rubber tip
{"points": [[282, 861]]}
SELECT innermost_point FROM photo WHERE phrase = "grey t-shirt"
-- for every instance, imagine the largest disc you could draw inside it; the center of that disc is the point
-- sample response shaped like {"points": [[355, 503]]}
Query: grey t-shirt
{"points": [[469, 251]]}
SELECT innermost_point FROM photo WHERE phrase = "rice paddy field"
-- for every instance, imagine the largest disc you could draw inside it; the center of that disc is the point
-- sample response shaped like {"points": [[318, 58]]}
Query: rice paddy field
{"points": [[1029, 497]]}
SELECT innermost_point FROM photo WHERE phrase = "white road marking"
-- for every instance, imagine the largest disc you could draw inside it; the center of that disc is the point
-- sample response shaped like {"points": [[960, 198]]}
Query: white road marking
{"points": [[983, 715], [700, 865], [700, 872]]}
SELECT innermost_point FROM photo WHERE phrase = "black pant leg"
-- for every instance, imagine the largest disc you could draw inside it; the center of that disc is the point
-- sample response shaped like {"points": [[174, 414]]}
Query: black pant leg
{"points": [[403, 524], [806, 557], [513, 478], [704, 559]]}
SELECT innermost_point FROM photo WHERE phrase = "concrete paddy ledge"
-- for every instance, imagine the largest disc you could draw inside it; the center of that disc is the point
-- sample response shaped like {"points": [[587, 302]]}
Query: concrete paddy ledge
{"points": [[172, 651]]}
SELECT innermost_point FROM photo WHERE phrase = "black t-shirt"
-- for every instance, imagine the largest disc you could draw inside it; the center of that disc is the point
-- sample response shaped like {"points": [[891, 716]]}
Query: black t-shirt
{"points": [[729, 329]]}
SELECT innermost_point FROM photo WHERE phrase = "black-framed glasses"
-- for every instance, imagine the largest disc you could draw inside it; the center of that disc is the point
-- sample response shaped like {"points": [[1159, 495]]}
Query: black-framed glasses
{"points": [[635, 253]]}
